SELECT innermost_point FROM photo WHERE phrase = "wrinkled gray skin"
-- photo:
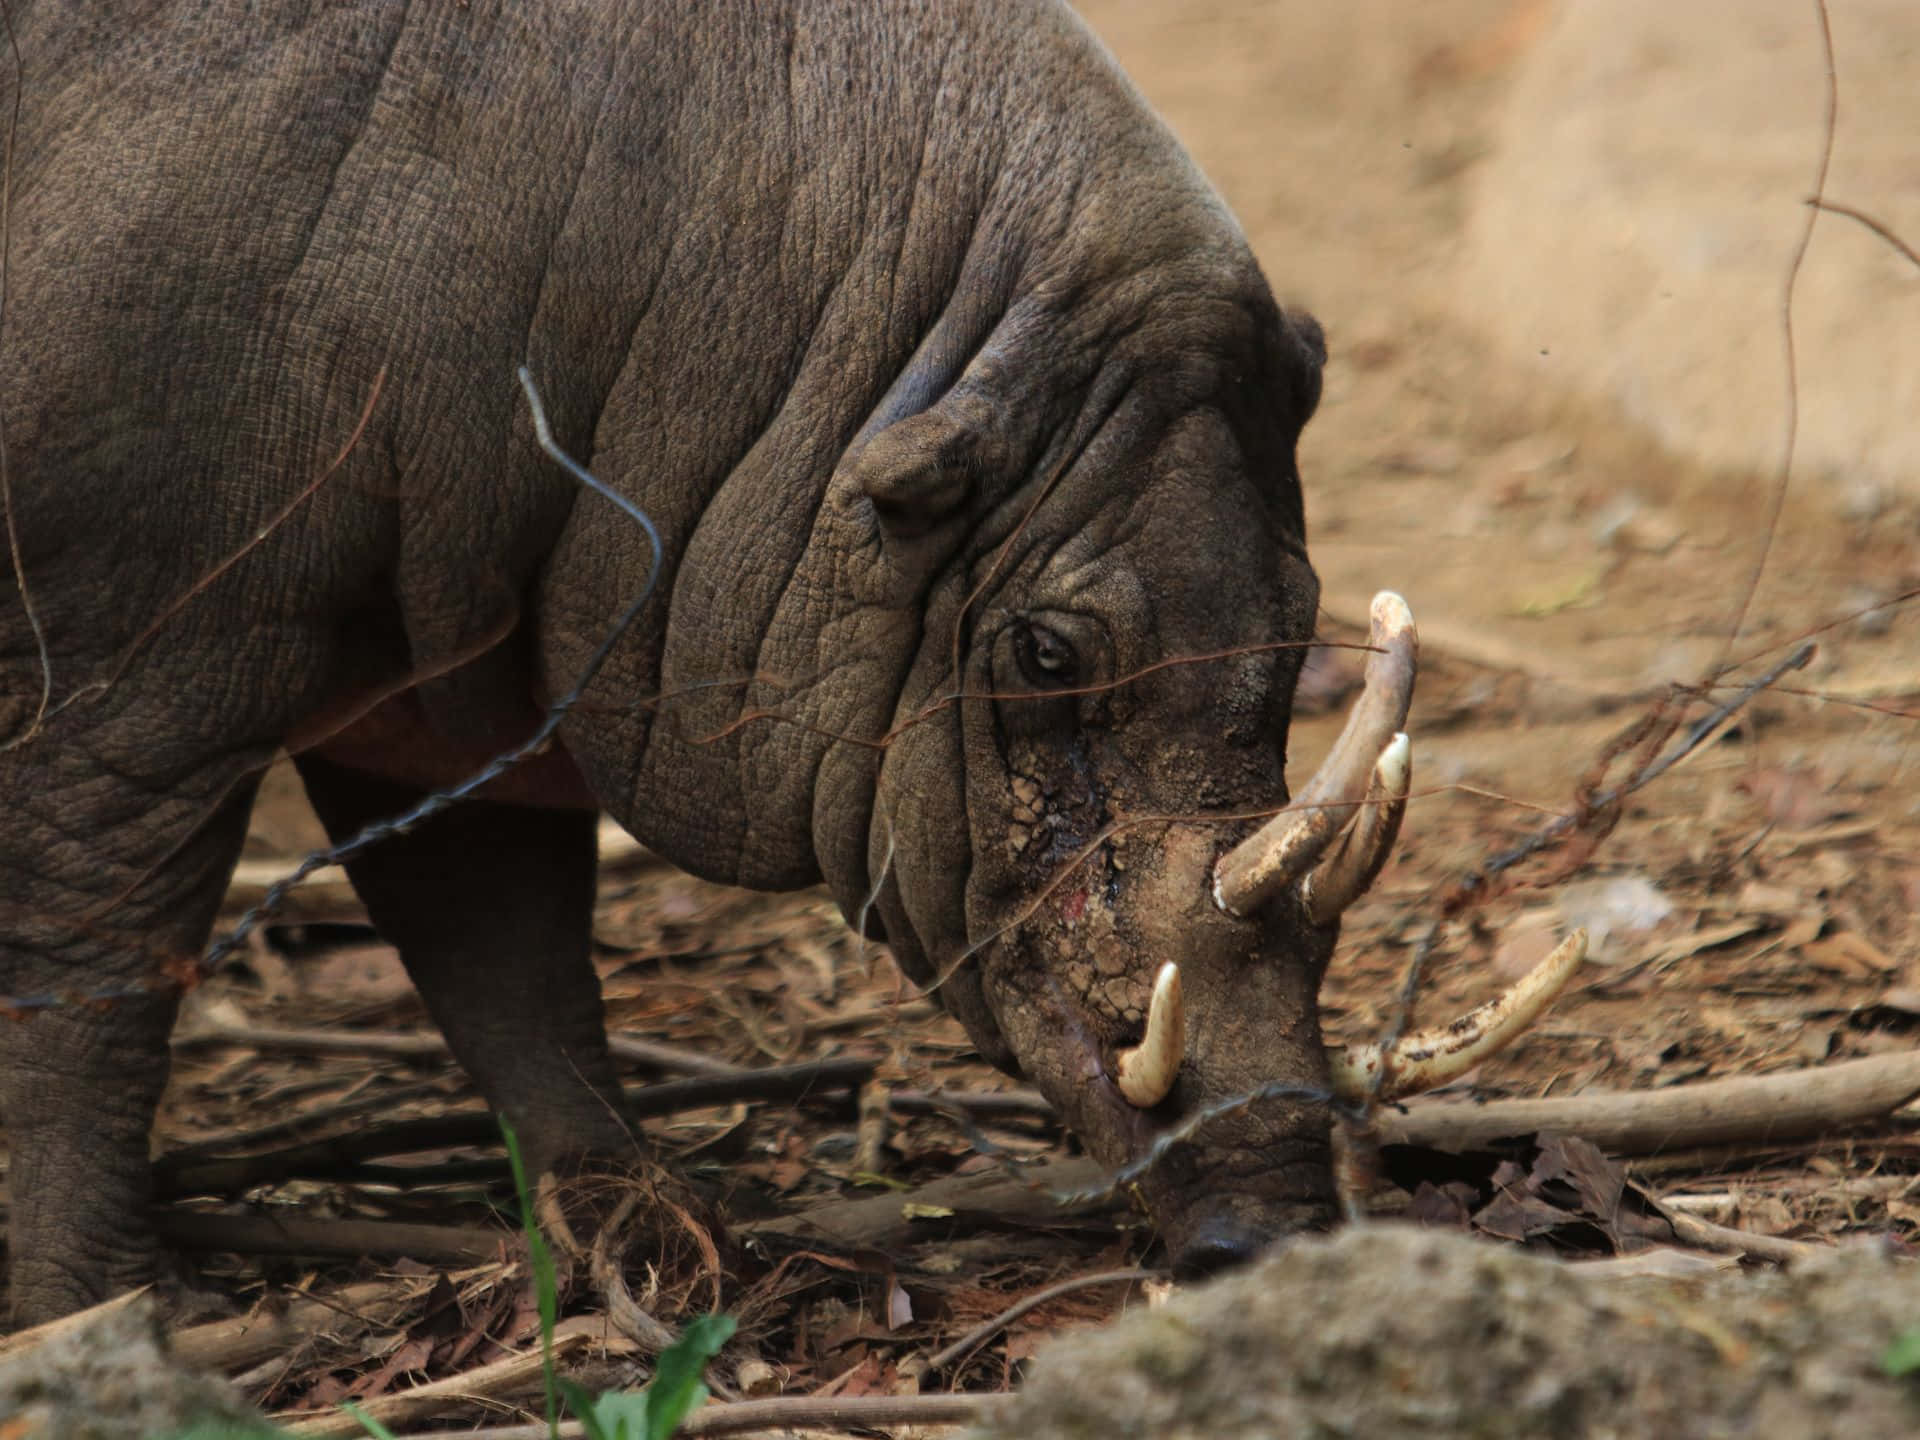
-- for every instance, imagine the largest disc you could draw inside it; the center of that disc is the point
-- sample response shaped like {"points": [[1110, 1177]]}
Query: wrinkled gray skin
{"points": [[939, 368]]}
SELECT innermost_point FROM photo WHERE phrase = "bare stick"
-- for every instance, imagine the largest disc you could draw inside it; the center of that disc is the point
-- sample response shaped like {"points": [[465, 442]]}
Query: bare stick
{"points": [[374, 1044], [1724, 1241], [511, 1376], [1878, 227], [987, 1329], [424, 1045], [323, 1158], [344, 1239], [1789, 350], [273, 1329], [23, 1340], [796, 1412], [1473, 885], [356, 1108], [674, 1059], [981, 1104], [1746, 1109], [989, 1198]]}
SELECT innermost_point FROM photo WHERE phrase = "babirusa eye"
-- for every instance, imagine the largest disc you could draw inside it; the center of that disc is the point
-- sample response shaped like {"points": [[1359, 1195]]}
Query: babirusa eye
{"points": [[1046, 658]]}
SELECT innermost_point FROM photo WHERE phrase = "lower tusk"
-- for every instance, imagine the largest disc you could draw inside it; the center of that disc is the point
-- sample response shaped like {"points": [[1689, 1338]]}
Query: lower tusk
{"points": [[1428, 1059], [1346, 874], [1145, 1072]]}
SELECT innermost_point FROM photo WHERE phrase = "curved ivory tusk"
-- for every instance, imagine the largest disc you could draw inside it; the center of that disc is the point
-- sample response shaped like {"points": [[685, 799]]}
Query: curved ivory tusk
{"points": [[1283, 849], [1350, 870], [1427, 1059], [1145, 1072]]}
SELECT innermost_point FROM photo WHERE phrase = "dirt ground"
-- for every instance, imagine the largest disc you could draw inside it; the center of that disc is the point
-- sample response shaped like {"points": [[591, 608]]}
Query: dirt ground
{"points": [[1754, 910]]}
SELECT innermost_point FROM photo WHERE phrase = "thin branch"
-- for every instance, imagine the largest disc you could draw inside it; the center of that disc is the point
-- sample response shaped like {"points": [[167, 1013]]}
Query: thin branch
{"points": [[323, 1158], [336, 1239], [1830, 122], [1692, 1230], [511, 1376], [422, 1045], [1742, 1109], [1472, 886], [987, 1329], [797, 1412], [282, 1323], [1878, 227], [940, 1208]]}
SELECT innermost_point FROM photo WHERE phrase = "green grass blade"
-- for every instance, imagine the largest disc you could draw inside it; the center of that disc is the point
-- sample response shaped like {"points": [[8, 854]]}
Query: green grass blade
{"points": [[545, 1288]]}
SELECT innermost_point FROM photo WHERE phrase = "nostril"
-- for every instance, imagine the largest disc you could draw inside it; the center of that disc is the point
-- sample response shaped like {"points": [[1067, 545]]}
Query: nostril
{"points": [[1217, 1246]]}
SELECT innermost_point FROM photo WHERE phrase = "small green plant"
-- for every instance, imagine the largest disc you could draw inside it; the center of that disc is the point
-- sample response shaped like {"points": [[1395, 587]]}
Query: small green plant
{"points": [[652, 1413], [675, 1390], [367, 1423], [1901, 1359], [546, 1288]]}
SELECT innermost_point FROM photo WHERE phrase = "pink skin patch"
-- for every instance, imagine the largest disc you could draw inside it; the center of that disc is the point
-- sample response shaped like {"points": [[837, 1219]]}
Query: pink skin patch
{"points": [[1074, 906]]}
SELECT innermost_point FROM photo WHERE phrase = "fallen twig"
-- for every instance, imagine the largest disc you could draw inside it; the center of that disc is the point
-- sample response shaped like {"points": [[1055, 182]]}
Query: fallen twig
{"points": [[357, 1108], [511, 1376], [1594, 808], [321, 1159], [938, 1209], [422, 1045], [1821, 1187], [382, 1045], [1692, 1230], [346, 1239], [1661, 1262], [982, 1104], [987, 1329], [795, 1412], [23, 1340], [274, 1327], [674, 1059], [1746, 1108]]}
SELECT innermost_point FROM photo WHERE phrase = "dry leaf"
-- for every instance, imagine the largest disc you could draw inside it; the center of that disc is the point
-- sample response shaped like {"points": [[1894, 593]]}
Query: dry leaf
{"points": [[899, 1307], [1847, 952]]}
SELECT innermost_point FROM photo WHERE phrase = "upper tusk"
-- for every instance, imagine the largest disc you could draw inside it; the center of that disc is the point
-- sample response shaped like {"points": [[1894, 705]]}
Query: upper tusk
{"points": [[1347, 873], [1145, 1072], [1428, 1059], [1286, 847]]}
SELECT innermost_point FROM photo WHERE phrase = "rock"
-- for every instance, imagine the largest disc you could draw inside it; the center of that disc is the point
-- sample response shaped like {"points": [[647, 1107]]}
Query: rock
{"points": [[112, 1378], [1630, 231], [1391, 1330]]}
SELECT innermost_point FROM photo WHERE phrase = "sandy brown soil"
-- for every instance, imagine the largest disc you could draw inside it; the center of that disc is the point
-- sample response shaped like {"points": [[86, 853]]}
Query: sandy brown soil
{"points": [[1759, 902]]}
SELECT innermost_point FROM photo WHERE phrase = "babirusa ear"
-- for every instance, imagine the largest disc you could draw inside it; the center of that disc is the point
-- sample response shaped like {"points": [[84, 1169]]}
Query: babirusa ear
{"points": [[925, 467]]}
